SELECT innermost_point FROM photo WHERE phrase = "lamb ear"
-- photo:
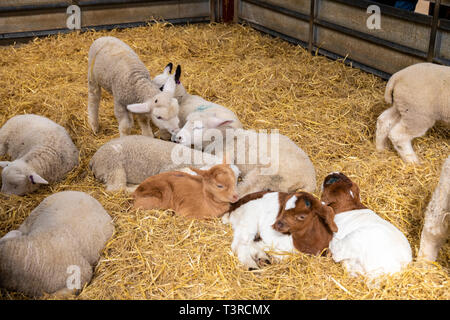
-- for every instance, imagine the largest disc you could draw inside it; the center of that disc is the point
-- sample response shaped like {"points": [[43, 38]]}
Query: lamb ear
{"points": [[168, 68], [4, 163], [35, 178], [214, 122], [327, 213], [169, 86], [177, 74], [139, 107]]}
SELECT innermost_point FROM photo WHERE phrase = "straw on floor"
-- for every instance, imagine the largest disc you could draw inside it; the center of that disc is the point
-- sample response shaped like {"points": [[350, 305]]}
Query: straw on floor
{"points": [[329, 109]]}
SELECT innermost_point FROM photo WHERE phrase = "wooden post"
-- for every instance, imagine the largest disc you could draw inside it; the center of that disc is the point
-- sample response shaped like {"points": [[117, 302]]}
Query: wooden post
{"points": [[212, 10], [236, 11], [227, 10]]}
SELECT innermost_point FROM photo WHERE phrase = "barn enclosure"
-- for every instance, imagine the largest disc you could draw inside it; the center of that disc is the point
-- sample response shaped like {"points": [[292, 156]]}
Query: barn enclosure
{"points": [[326, 106]]}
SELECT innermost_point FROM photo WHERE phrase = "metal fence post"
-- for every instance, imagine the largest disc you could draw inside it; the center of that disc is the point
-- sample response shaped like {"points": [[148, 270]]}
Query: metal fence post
{"points": [[433, 31], [312, 13]]}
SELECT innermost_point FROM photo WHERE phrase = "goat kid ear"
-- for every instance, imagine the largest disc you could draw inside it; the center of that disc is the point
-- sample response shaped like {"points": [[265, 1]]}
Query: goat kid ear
{"points": [[139, 107], [327, 213], [214, 122], [36, 179], [198, 171], [169, 86], [4, 163]]}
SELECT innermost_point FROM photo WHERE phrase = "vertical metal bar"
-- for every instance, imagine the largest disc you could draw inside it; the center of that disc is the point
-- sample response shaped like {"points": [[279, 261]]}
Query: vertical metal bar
{"points": [[433, 31], [312, 13], [212, 10], [236, 11]]}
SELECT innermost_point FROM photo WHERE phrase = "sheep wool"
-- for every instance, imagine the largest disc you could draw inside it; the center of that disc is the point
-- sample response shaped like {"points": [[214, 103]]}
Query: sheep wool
{"points": [[59, 241], [42, 152], [132, 159], [437, 216]]}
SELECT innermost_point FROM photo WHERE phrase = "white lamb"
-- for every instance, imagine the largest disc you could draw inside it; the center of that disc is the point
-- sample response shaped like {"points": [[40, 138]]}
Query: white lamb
{"points": [[419, 97], [267, 161], [114, 66], [56, 247], [435, 230], [132, 159], [197, 114], [42, 152]]}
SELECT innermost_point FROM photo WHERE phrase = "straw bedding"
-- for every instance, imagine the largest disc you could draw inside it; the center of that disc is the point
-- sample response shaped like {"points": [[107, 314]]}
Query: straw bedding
{"points": [[329, 109]]}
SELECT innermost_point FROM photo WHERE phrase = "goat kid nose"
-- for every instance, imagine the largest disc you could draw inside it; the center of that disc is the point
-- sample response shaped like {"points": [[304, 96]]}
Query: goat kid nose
{"points": [[279, 224], [235, 198]]}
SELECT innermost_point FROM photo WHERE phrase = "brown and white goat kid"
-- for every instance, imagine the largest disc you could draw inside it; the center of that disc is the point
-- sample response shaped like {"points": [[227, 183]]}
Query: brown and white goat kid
{"points": [[207, 194], [365, 243], [278, 222]]}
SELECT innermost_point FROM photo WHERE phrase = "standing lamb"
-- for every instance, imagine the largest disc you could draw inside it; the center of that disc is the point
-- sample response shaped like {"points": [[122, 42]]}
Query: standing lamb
{"points": [[42, 152], [196, 113], [56, 247], [365, 243], [132, 159], [435, 230], [419, 97], [114, 66]]}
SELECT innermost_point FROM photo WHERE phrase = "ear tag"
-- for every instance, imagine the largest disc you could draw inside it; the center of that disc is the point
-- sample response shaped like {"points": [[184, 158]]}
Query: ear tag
{"points": [[332, 180]]}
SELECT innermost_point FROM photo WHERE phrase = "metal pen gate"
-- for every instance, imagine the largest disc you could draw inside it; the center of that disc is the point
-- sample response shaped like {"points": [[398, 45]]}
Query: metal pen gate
{"points": [[335, 28], [338, 29]]}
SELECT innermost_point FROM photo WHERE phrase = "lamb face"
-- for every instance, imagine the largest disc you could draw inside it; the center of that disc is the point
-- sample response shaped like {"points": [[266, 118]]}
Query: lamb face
{"points": [[163, 108], [200, 127], [18, 178]]}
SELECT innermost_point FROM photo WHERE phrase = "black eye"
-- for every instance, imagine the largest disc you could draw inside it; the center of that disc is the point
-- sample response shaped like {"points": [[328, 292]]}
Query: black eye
{"points": [[307, 203], [156, 100], [159, 117], [161, 89], [219, 186], [301, 217]]}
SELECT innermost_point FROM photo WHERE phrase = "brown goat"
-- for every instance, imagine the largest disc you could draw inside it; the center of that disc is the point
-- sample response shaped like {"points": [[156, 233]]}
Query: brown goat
{"points": [[310, 223], [340, 193], [205, 195]]}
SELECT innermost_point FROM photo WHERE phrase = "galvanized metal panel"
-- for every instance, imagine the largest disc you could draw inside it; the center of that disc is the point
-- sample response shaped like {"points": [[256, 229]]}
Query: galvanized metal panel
{"points": [[443, 50], [17, 3], [287, 25], [302, 6], [369, 54], [103, 15], [403, 32]]}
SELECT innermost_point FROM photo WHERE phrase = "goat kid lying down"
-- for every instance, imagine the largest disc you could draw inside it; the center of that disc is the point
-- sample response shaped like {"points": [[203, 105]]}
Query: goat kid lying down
{"points": [[365, 243], [278, 222], [207, 194]]}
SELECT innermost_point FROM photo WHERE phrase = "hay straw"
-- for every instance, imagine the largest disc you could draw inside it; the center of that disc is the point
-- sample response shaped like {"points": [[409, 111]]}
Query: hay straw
{"points": [[327, 108]]}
